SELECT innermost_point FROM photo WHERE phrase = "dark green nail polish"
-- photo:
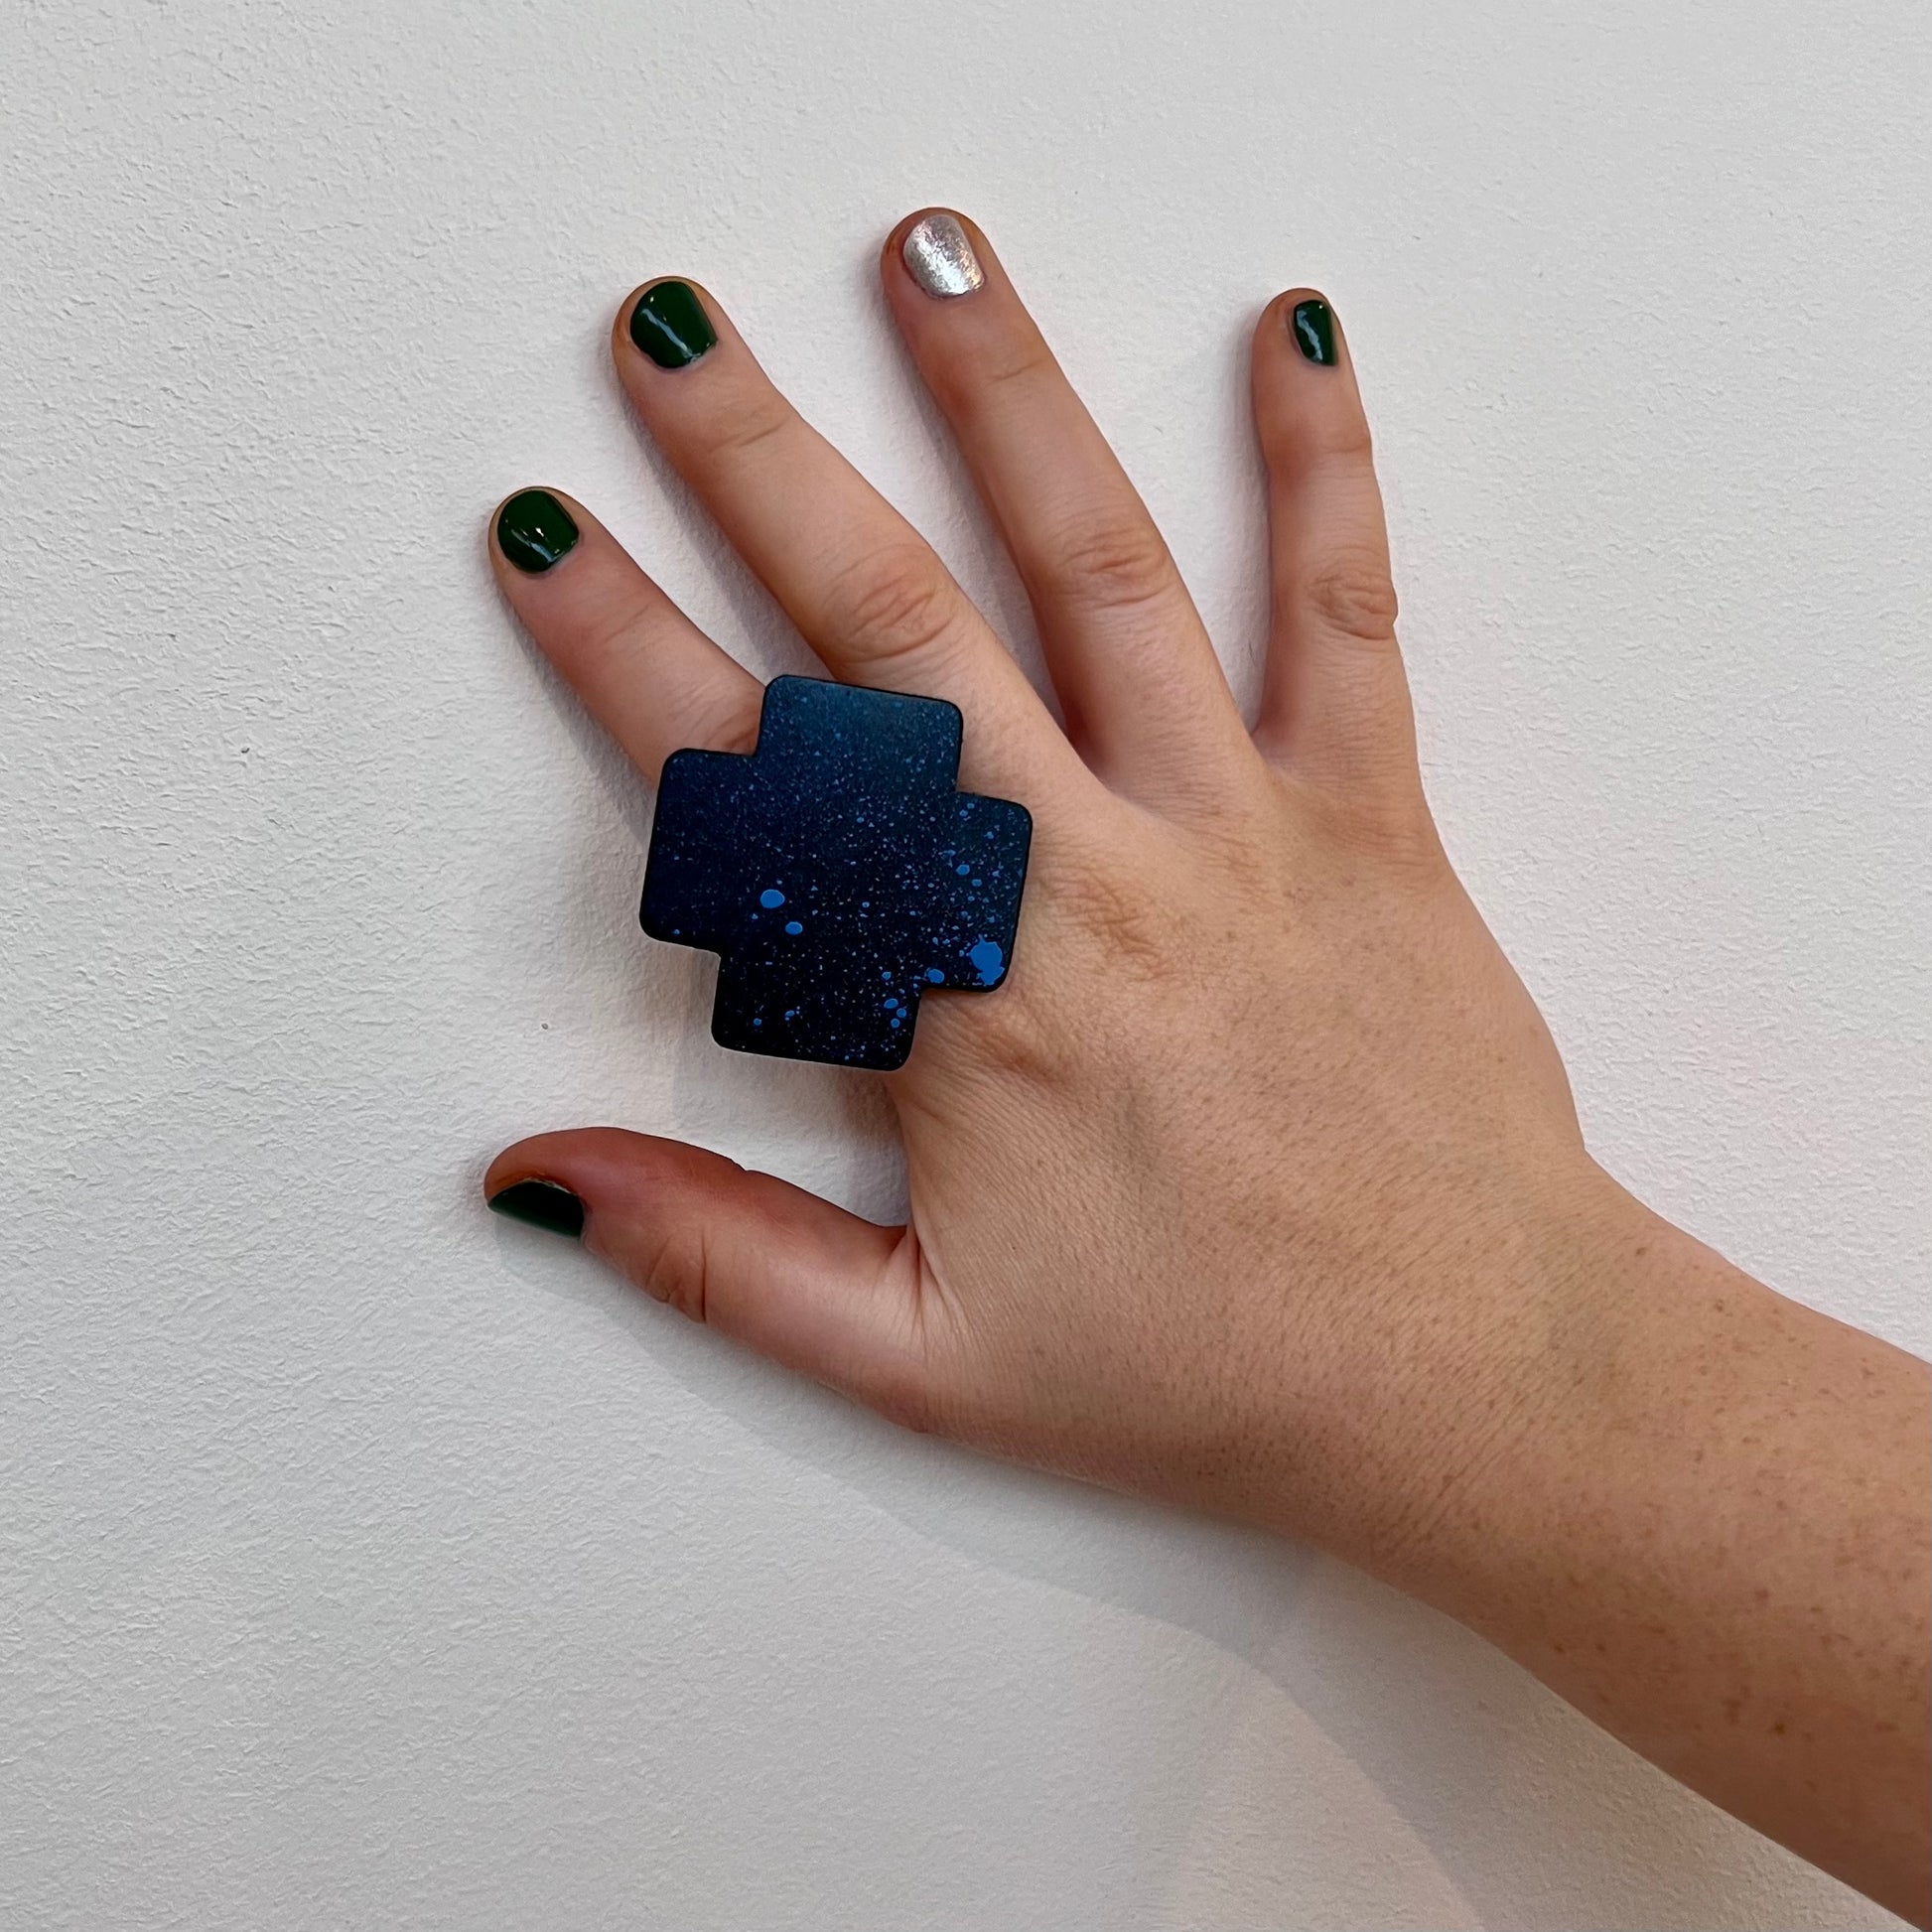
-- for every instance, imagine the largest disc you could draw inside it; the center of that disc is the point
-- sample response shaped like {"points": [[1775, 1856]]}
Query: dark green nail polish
{"points": [[670, 326], [533, 531], [1314, 330], [543, 1204]]}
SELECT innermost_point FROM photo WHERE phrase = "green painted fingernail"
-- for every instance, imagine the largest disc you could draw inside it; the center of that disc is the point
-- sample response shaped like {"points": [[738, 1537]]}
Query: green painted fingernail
{"points": [[543, 1204], [1314, 324], [670, 326], [533, 531]]}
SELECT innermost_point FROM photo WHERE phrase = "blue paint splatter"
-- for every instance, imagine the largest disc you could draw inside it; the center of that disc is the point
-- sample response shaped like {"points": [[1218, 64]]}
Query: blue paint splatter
{"points": [[962, 869], [890, 1004], [987, 960], [771, 897], [937, 975], [793, 927]]}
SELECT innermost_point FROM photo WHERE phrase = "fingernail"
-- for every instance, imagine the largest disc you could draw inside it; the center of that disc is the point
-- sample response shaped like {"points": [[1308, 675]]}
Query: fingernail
{"points": [[940, 258], [670, 326], [1314, 323], [543, 1204], [533, 531]]}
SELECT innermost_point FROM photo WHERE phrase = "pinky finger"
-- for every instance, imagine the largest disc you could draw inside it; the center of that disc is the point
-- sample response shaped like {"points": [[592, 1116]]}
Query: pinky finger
{"points": [[1335, 703]]}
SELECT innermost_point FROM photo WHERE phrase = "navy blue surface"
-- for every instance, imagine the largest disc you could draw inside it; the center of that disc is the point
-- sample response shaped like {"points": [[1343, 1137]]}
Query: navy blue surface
{"points": [[836, 871]]}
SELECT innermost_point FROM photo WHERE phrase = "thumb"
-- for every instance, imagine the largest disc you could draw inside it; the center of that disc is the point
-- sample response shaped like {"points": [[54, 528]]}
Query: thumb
{"points": [[797, 1279]]}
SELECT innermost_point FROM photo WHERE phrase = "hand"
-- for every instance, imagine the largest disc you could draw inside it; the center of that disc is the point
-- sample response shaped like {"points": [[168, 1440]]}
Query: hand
{"points": [[1258, 1186], [1263, 1145]]}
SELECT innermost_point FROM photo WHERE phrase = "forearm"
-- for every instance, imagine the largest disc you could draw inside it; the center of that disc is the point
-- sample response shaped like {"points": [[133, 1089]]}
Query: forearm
{"points": [[1708, 1529]]}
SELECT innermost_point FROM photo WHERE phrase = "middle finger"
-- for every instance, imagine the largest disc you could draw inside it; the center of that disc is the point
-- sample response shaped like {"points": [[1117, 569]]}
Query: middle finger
{"points": [[1144, 696]]}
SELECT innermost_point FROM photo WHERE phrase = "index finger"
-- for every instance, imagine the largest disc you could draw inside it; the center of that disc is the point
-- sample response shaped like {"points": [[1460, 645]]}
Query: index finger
{"points": [[864, 588]]}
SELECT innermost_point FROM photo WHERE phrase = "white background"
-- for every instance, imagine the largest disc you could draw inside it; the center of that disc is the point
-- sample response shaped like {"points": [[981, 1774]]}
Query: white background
{"points": [[365, 1561]]}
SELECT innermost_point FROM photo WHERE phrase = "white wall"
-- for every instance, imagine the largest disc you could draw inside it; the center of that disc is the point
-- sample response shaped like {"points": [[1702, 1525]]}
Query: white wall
{"points": [[366, 1562]]}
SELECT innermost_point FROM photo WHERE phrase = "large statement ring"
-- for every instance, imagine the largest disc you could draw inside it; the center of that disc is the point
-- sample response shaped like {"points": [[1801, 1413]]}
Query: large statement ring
{"points": [[836, 871]]}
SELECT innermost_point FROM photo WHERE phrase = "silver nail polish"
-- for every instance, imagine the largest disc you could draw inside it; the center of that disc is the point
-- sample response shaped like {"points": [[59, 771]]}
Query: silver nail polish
{"points": [[941, 258]]}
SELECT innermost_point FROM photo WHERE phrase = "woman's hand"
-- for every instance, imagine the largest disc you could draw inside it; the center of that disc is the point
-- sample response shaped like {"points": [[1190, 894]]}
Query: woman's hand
{"points": [[1258, 1187], [1262, 1137]]}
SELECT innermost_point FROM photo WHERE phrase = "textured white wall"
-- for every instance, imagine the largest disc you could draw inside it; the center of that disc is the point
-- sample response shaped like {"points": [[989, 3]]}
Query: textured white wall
{"points": [[366, 1562]]}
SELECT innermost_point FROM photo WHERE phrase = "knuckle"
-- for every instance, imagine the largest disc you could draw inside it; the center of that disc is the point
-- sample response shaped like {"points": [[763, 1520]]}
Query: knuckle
{"points": [[737, 428], [891, 605], [674, 1267], [630, 622], [1408, 839], [1243, 840], [1017, 1040], [1345, 441], [1396, 827], [1311, 449], [1115, 912], [1116, 563], [979, 1042], [1004, 377], [1350, 594]]}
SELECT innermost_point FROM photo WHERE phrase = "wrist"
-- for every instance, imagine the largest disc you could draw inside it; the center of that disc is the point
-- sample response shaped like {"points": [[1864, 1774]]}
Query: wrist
{"points": [[1487, 1388]]}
